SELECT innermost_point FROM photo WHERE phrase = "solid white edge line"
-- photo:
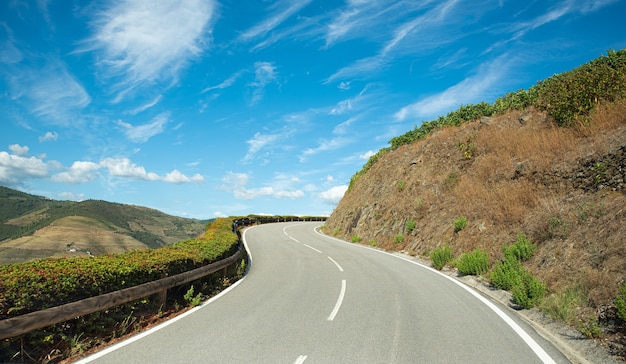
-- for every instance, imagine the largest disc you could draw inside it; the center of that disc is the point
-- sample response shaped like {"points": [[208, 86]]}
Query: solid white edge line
{"points": [[300, 359], [339, 301], [310, 247], [167, 323], [337, 264], [534, 346]]}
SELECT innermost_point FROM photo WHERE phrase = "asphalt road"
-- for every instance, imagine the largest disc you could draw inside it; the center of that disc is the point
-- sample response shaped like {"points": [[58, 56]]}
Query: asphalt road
{"points": [[309, 298]]}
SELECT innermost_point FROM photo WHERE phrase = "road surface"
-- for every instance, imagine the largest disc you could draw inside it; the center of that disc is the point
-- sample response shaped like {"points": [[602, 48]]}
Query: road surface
{"points": [[309, 298]]}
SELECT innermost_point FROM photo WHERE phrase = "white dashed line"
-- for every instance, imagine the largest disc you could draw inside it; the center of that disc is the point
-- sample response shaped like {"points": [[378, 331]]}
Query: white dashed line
{"points": [[337, 264], [339, 301]]}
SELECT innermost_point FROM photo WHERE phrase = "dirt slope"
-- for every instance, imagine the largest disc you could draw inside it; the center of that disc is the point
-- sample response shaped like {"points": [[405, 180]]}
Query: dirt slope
{"points": [[562, 187]]}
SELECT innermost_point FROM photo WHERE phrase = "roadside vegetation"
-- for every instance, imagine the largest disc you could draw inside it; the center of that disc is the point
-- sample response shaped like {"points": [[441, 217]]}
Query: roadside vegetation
{"points": [[541, 171], [39, 284]]}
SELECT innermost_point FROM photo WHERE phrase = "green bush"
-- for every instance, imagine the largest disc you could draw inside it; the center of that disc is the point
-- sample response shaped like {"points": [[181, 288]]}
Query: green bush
{"points": [[441, 256], [410, 225], [620, 302], [474, 263], [506, 275], [399, 238], [522, 250], [528, 290], [356, 238], [460, 224]]}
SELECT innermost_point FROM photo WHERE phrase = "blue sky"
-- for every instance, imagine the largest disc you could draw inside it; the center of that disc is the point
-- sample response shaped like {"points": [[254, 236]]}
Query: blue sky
{"points": [[205, 108]]}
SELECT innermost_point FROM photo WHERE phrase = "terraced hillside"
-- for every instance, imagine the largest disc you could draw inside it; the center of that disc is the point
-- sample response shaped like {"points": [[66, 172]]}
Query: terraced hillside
{"points": [[34, 227]]}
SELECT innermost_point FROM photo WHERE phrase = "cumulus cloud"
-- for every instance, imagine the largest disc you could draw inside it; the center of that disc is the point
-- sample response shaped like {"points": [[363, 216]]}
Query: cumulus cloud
{"points": [[18, 149], [237, 184], [139, 43], [49, 136], [15, 169], [142, 133], [177, 177], [79, 172], [124, 167], [333, 196]]}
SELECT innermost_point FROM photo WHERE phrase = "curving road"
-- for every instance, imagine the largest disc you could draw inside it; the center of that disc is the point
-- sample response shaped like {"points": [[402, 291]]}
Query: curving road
{"points": [[309, 298]]}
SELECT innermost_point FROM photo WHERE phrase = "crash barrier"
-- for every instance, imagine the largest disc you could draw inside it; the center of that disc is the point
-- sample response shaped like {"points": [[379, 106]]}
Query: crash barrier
{"points": [[19, 325]]}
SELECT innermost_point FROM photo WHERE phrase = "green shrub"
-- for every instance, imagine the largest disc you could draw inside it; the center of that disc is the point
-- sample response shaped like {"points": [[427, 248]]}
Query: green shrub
{"points": [[356, 238], [474, 263], [460, 224], [563, 306], [528, 290], [410, 225], [620, 302], [505, 275], [399, 238], [191, 299], [522, 250], [441, 256]]}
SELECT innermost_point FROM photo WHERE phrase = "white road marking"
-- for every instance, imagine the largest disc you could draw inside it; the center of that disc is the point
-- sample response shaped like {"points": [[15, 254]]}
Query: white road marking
{"points": [[337, 264], [300, 359], [534, 346], [339, 301], [294, 239], [310, 247]]}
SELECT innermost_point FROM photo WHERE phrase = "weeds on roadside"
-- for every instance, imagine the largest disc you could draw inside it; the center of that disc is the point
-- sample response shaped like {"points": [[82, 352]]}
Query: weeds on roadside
{"points": [[474, 263], [441, 256]]}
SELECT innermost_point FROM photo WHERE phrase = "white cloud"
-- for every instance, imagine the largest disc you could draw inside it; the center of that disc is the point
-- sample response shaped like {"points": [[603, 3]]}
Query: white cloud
{"points": [[49, 136], [366, 155], [141, 133], [469, 90], [237, 182], [140, 43], [282, 10], [324, 146], [79, 172], [260, 142], [265, 74], [16, 169], [333, 196], [146, 106], [72, 196], [176, 177], [18, 149], [226, 83], [123, 167]]}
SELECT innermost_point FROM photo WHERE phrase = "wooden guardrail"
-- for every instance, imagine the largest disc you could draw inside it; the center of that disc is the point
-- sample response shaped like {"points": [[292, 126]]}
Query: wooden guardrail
{"points": [[19, 325], [36, 320]]}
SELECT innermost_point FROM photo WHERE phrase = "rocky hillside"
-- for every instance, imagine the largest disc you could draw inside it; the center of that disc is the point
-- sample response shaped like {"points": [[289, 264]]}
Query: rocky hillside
{"points": [[504, 174], [34, 227]]}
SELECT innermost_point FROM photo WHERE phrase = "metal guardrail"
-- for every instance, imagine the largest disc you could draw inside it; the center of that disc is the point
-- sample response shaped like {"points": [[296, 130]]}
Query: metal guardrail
{"points": [[22, 324]]}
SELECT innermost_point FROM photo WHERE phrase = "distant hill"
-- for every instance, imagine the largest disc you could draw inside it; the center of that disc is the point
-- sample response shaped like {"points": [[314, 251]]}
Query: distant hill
{"points": [[549, 162], [33, 227]]}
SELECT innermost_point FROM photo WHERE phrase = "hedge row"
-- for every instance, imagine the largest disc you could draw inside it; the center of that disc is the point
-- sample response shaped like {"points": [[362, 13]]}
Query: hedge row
{"points": [[35, 285]]}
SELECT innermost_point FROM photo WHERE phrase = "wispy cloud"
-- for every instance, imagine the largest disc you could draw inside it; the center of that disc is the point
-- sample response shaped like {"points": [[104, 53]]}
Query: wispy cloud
{"points": [[325, 145], [177, 177], [265, 74], [471, 89], [226, 83], [146, 106], [49, 92], [140, 43], [261, 141], [237, 184], [141, 133], [280, 11], [411, 33]]}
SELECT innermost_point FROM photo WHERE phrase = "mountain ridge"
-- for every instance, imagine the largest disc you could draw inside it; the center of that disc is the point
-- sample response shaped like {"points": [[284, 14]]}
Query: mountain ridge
{"points": [[35, 227]]}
